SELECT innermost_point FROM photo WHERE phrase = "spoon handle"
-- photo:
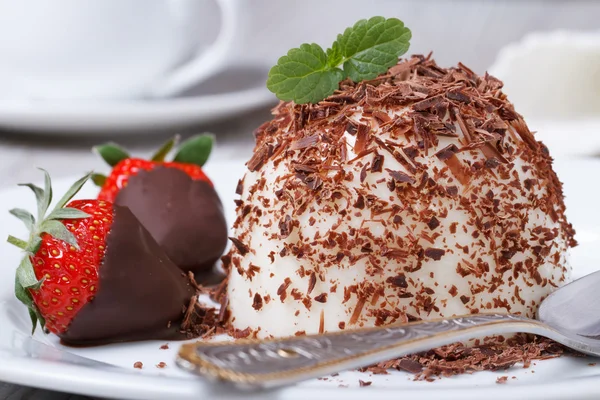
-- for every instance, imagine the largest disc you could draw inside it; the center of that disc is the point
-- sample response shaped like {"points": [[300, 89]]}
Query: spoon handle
{"points": [[271, 363]]}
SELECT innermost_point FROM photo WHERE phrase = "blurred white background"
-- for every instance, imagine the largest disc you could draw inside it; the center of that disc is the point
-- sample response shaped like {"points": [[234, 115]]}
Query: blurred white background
{"points": [[471, 31]]}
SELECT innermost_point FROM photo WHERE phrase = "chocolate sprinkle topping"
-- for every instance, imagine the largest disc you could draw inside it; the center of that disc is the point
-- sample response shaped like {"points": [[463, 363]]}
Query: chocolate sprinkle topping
{"points": [[419, 184]]}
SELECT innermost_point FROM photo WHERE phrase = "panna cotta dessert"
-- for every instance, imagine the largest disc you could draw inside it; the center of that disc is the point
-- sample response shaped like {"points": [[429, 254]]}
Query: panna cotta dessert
{"points": [[416, 195]]}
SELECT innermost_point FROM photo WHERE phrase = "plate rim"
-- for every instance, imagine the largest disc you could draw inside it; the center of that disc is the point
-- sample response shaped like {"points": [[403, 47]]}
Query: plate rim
{"points": [[127, 384], [133, 115]]}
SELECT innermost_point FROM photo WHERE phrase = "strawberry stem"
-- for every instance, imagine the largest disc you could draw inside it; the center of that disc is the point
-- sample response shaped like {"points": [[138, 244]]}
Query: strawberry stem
{"points": [[17, 242]]}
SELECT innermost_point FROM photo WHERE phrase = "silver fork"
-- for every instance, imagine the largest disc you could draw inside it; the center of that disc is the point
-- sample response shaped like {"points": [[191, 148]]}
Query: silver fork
{"points": [[570, 316]]}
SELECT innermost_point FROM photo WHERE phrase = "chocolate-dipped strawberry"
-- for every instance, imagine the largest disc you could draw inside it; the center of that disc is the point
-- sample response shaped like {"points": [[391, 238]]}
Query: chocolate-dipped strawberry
{"points": [[93, 274], [174, 200]]}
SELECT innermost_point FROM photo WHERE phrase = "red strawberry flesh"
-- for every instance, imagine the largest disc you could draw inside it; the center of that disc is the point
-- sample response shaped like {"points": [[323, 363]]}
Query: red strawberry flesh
{"points": [[129, 167], [71, 275]]}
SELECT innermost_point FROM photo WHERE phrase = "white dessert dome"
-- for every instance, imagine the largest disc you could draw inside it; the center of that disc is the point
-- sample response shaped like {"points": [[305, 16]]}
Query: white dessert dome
{"points": [[419, 194]]}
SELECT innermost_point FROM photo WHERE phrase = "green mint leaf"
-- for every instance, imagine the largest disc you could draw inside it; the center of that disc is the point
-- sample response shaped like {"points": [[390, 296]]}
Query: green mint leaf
{"points": [[68, 213], [369, 48], [303, 75], [25, 216], [372, 46], [196, 149], [111, 152], [73, 190], [334, 55], [165, 149], [59, 231], [99, 179], [40, 198]]}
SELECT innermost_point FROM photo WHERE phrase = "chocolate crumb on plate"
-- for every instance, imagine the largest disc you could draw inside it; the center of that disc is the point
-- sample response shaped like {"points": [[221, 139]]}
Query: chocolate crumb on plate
{"points": [[138, 365], [161, 365], [501, 380], [164, 346], [457, 359], [364, 383]]}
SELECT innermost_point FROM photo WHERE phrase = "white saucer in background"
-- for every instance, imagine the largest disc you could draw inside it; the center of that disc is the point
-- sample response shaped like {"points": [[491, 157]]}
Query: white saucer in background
{"points": [[552, 75], [553, 79], [230, 93]]}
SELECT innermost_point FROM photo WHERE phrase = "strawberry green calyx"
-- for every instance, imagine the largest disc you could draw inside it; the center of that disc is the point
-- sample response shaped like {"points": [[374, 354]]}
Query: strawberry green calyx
{"points": [[46, 222], [111, 152], [164, 150], [195, 150]]}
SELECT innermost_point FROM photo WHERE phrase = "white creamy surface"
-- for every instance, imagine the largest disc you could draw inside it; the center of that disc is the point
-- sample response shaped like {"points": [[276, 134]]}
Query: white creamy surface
{"points": [[515, 294]]}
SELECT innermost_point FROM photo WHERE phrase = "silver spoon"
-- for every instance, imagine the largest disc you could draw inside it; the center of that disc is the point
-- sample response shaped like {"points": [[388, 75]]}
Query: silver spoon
{"points": [[570, 316]]}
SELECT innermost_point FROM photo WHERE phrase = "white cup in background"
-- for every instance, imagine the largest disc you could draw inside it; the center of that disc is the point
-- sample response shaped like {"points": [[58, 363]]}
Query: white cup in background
{"points": [[108, 49]]}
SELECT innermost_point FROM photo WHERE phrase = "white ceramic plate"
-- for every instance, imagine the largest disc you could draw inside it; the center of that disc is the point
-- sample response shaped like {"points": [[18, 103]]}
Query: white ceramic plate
{"points": [[229, 93], [43, 362]]}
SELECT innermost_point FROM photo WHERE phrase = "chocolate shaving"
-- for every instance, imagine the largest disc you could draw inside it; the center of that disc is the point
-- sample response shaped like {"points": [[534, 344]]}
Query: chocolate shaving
{"points": [[458, 95], [408, 365], [400, 176], [362, 139], [257, 302], [241, 247], [199, 320], [322, 298], [398, 281], [260, 156], [351, 128], [305, 142], [447, 152], [435, 254], [311, 282], [433, 223], [239, 189], [377, 163]]}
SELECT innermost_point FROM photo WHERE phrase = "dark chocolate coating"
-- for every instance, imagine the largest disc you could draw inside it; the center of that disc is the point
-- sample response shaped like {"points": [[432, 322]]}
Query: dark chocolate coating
{"points": [[183, 215], [139, 291]]}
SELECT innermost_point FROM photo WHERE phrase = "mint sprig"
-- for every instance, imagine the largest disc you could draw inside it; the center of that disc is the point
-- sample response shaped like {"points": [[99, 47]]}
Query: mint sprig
{"points": [[308, 74]]}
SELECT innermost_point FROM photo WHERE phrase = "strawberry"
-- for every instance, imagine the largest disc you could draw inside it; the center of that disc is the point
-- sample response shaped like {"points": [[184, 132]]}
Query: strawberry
{"points": [[59, 272], [190, 157]]}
